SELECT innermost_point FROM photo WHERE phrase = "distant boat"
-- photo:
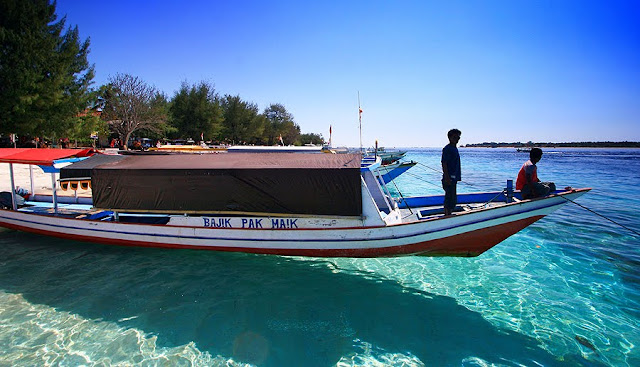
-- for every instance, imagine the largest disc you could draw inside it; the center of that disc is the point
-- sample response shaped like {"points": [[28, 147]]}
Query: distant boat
{"points": [[267, 203], [275, 149], [387, 156], [389, 172], [523, 150]]}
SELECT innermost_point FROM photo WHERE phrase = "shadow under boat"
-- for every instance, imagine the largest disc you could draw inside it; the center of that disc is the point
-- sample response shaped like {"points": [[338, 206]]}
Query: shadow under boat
{"points": [[264, 310]]}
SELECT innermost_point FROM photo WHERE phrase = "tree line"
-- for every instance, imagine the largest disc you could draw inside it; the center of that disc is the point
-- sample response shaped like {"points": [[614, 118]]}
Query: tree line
{"points": [[45, 92], [584, 144]]}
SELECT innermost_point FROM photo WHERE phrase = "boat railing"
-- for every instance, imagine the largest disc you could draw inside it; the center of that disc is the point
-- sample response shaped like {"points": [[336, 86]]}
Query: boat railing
{"points": [[380, 198]]}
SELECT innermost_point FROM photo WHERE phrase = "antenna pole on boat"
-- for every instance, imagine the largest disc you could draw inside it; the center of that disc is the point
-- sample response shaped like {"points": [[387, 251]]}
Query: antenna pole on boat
{"points": [[55, 195], [33, 192], [360, 120], [13, 188]]}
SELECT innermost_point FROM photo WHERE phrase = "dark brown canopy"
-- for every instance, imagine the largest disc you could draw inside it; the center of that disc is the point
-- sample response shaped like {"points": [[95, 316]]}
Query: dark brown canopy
{"points": [[286, 183], [82, 169]]}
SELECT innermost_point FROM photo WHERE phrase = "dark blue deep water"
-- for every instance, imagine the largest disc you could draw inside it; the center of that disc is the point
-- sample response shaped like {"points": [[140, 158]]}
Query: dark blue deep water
{"points": [[563, 292]]}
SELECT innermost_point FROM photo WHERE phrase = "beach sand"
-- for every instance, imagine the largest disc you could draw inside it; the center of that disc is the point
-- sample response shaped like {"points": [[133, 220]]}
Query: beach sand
{"points": [[41, 181]]}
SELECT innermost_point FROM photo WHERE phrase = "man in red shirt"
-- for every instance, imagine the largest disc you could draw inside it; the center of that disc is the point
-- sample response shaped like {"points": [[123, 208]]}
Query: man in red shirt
{"points": [[528, 182]]}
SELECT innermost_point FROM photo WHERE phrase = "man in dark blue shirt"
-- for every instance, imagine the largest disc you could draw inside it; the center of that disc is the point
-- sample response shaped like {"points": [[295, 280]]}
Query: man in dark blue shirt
{"points": [[451, 173]]}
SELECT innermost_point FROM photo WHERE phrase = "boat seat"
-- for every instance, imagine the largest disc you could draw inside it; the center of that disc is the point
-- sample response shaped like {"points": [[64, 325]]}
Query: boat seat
{"points": [[95, 215]]}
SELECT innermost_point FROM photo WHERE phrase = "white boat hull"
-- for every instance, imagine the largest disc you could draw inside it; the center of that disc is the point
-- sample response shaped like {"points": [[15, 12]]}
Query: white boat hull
{"points": [[467, 234]]}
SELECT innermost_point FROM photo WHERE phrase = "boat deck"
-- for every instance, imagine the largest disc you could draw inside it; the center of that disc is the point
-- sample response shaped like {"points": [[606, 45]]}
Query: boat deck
{"points": [[85, 211], [79, 211], [433, 212]]}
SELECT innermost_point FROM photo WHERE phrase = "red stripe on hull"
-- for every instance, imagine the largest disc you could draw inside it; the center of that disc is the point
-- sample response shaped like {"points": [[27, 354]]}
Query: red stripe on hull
{"points": [[476, 242], [471, 243]]}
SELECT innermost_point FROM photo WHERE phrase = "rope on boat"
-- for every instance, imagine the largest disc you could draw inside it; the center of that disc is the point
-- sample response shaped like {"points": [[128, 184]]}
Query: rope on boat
{"points": [[422, 179], [503, 192], [402, 197], [493, 198], [603, 216], [440, 172], [431, 168], [400, 192]]}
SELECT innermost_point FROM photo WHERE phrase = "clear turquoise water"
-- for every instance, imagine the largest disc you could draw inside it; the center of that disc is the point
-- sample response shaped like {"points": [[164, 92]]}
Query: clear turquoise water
{"points": [[565, 291]]}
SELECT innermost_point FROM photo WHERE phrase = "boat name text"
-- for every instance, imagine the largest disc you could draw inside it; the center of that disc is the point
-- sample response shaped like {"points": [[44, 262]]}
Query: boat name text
{"points": [[274, 223]]}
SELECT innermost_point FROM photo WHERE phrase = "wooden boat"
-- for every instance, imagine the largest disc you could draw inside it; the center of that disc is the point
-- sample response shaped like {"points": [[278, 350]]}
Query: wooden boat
{"points": [[281, 203]]}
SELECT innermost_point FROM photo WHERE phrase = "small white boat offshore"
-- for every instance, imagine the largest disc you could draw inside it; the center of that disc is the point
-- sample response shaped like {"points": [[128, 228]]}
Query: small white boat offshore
{"points": [[294, 204], [387, 156]]}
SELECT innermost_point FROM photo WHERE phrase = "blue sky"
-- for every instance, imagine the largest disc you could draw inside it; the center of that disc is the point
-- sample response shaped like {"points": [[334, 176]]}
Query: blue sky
{"points": [[543, 71]]}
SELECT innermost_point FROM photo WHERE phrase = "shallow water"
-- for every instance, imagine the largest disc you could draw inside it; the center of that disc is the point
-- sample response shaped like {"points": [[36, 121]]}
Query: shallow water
{"points": [[565, 291]]}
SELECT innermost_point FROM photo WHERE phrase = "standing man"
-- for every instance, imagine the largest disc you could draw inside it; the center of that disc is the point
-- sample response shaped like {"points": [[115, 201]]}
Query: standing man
{"points": [[451, 171]]}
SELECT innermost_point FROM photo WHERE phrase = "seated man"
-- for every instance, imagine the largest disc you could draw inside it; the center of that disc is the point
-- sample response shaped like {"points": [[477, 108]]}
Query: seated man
{"points": [[528, 182]]}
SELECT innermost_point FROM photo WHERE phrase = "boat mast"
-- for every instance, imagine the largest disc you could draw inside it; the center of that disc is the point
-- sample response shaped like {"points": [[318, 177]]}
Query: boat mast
{"points": [[360, 120]]}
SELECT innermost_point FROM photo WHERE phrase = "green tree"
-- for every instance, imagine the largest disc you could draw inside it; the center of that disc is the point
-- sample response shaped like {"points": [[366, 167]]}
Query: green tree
{"points": [[291, 133], [196, 110], [311, 138], [242, 123], [132, 105], [85, 125], [44, 72], [280, 123], [88, 122]]}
